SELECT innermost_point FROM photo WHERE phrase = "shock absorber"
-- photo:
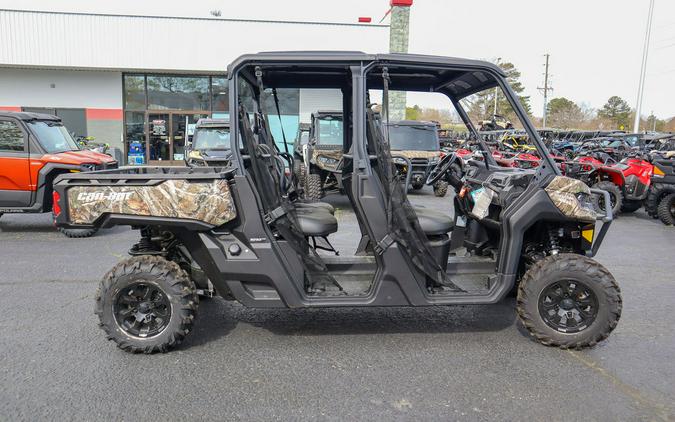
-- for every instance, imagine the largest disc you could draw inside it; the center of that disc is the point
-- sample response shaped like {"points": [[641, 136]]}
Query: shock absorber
{"points": [[554, 247]]}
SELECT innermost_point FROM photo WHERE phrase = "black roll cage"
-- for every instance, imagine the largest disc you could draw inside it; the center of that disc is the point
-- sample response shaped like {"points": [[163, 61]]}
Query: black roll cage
{"points": [[361, 67]]}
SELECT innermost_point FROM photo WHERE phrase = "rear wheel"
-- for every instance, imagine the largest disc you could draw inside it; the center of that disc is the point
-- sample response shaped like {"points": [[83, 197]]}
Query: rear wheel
{"points": [[313, 189], [666, 210], [569, 301], [615, 197], [78, 233], [440, 188], [146, 304]]}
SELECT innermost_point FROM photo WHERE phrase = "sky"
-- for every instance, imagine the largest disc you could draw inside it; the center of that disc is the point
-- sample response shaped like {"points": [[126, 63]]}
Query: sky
{"points": [[595, 45]]}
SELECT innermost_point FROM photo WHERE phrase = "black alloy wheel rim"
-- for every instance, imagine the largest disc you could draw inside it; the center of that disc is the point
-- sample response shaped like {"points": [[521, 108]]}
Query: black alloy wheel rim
{"points": [[612, 201], [142, 310], [568, 306]]}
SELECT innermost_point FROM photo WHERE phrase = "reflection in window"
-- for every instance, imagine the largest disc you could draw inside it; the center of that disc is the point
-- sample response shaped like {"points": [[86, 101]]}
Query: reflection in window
{"points": [[11, 137], [134, 92], [178, 93], [220, 99]]}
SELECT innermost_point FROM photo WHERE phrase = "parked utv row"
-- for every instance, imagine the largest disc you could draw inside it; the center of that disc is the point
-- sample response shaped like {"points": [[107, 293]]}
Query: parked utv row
{"points": [[247, 233]]}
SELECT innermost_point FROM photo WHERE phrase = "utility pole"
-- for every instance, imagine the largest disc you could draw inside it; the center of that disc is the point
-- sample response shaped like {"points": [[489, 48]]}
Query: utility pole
{"points": [[643, 68], [545, 90]]}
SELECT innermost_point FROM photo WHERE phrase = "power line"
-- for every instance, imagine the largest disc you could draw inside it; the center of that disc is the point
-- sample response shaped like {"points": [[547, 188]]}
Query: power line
{"points": [[545, 89]]}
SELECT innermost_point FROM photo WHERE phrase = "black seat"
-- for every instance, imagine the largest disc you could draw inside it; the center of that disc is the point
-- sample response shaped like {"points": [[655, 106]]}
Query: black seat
{"points": [[434, 223], [324, 206], [316, 222]]}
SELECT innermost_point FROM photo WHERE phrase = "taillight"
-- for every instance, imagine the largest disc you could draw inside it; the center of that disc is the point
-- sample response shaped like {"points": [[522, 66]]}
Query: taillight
{"points": [[56, 207]]}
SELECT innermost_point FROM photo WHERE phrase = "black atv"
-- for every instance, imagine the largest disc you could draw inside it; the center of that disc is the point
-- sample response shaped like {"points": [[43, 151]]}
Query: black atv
{"points": [[241, 233], [321, 168], [660, 202], [210, 145]]}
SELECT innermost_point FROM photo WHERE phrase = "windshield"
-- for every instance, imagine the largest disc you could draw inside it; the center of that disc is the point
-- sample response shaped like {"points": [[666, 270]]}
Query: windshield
{"points": [[211, 138], [330, 131], [413, 138], [53, 136]]}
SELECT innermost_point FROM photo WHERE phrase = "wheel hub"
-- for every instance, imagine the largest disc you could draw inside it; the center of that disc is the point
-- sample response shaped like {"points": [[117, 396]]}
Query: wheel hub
{"points": [[142, 310], [568, 306]]}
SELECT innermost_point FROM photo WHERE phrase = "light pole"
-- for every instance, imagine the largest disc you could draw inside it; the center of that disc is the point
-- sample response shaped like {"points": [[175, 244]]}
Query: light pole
{"points": [[643, 68]]}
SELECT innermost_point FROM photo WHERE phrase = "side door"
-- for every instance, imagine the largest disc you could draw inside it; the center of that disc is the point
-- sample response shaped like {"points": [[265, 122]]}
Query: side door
{"points": [[15, 183]]}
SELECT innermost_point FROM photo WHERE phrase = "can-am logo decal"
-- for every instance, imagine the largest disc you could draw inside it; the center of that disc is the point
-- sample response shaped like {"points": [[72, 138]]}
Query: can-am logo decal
{"points": [[99, 196]]}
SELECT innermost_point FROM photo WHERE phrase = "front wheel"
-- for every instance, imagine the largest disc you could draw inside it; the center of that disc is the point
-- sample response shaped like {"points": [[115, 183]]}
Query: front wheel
{"points": [[569, 301], [615, 197], [666, 210], [313, 186], [146, 304]]}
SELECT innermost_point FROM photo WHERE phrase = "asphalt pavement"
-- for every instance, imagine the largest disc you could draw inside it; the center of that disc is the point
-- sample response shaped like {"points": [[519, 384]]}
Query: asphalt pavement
{"points": [[437, 363]]}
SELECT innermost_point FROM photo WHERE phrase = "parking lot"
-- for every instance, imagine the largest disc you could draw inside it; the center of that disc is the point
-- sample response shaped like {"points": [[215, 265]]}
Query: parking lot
{"points": [[463, 363]]}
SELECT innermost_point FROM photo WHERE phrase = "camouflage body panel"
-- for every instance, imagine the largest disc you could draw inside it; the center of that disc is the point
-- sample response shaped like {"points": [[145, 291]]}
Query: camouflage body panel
{"points": [[410, 154], [335, 154], [208, 202], [563, 192]]}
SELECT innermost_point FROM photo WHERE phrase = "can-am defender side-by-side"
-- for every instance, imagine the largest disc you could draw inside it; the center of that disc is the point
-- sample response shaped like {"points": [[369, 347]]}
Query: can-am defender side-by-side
{"points": [[416, 150], [34, 149], [321, 168], [243, 234], [210, 145]]}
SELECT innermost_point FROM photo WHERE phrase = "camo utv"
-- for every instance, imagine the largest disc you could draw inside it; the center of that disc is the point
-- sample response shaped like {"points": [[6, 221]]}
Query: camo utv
{"points": [[416, 149], [322, 156]]}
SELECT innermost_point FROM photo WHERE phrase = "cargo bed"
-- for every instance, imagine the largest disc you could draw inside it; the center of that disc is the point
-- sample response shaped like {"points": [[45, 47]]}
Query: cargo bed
{"points": [[200, 198]]}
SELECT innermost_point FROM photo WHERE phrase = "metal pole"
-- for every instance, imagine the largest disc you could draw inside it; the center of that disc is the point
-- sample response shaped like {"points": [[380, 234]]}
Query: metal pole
{"points": [[545, 90], [643, 68], [496, 93]]}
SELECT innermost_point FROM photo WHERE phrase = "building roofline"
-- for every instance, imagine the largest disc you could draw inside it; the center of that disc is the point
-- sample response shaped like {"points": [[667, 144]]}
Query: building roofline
{"points": [[197, 18]]}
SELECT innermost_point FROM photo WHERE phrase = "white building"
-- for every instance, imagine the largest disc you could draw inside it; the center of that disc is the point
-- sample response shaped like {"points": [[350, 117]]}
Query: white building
{"points": [[113, 76]]}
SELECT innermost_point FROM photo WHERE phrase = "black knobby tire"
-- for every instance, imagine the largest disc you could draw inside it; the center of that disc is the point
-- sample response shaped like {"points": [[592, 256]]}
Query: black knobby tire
{"points": [[614, 193], [440, 188], [299, 171], [657, 192], [591, 279], [78, 233], [174, 292], [630, 206], [666, 210], [417, 186], [313, 184]]}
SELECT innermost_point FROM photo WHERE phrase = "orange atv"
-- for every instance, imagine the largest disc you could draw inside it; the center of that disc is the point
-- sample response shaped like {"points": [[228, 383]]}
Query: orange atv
{"points": [[34, 149]]}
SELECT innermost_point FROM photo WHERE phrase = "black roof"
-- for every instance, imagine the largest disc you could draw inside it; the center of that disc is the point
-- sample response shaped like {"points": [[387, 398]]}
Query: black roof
{"points": [[413, 123], [436, 73], [28, 116], [207, 122]]}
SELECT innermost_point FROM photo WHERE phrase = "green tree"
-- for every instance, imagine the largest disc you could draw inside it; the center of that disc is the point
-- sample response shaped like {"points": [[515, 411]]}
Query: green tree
{"points": [[413, 113], [617, 111], [564, 114]]}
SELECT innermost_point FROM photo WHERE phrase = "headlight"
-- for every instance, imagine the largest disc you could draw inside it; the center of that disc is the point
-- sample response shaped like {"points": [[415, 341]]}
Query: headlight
{"points": [[196, 163], [572, 197], [87, 167], [327, 160], [399, 160]]}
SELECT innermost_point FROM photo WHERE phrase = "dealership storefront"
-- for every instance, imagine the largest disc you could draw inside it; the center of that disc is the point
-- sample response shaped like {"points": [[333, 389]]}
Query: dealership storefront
{"points": [[103, 75]]}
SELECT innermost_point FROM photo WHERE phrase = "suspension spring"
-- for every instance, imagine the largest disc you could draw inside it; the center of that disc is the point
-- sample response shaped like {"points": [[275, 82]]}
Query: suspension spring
{"points": [[554, 247]]}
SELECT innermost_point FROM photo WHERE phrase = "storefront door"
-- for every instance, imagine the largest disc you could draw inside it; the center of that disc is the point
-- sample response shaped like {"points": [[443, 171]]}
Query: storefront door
{"points": [[166, 135]]}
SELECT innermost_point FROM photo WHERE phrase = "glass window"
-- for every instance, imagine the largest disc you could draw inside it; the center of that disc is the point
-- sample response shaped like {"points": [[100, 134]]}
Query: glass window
{"points": [[211, 138], [53, 136], [413, 138], [11, 137], [134, 92], [220, 95], [330, 131], [178, 93]]}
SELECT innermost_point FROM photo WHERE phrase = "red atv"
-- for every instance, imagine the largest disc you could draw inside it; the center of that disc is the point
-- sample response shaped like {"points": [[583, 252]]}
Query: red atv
{"points": [[34, 149], [627, 181]]}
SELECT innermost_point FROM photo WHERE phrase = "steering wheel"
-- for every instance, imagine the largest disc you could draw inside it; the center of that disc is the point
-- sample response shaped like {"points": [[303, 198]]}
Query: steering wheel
{"points": [[441, 168]]}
